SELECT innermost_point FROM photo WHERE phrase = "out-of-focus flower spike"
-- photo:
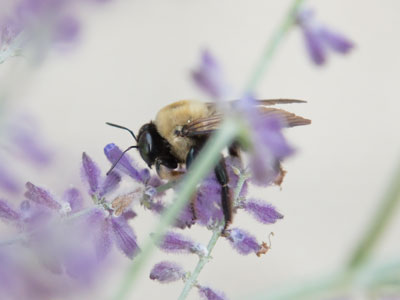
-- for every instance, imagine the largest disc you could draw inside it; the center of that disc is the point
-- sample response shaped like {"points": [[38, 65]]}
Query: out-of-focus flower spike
{"points": [[125, 164], [166, 272], [319, 38], [7, 213], [8, 182], [124, 237], [110, 183], [66, 30], [74, 198], [90, 173], [242, 241], [177, 243], [210, 78], [41, 196], [207, 293], [261, 211], [103, 240]]}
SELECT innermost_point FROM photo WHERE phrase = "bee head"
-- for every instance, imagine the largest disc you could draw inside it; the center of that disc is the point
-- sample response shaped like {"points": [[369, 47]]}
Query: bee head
{"points": [[151, 146]]}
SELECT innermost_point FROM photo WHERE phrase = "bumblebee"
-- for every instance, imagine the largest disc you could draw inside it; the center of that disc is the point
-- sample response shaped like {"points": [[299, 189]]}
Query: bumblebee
{"points": [[180, 130]]}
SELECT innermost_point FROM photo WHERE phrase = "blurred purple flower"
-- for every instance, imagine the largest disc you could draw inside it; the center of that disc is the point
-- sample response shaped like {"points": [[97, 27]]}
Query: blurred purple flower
{"points": [[7, 213], [210, 78], [8, 182], [263, 212], [41, 196], [111, 230], [319, 38], [166, 272], [242, 241], [207, 293], [74, 198]]}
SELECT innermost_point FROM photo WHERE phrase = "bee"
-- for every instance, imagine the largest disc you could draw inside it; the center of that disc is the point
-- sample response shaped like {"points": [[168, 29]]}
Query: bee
{"points": [[179, 131]]}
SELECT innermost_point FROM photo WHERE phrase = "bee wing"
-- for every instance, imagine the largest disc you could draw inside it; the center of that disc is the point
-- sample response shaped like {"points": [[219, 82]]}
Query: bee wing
{"points": [[205, 126]]}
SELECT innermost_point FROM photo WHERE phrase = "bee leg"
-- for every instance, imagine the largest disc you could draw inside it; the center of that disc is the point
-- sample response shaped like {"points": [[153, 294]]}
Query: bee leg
{"points": [[226, 198], [189, 159]]}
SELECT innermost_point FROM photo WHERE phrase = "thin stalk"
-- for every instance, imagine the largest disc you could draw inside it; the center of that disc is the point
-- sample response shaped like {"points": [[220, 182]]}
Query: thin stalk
{"points": [[379, 223], [206, 160], [191, 281], [272, 45], [200, 265]]}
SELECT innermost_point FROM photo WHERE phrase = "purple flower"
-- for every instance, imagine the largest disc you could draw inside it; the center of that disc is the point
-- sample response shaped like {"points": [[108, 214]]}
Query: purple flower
{"points": [[209, 77], [166, 272], [263, 212], [110, 231], [126, 164], [7, 213], [41, 196], [207, 293], [97, 185], [269, 144], [8, 182], [319, 38], [74, 198], [178, 243], [242, 241]]}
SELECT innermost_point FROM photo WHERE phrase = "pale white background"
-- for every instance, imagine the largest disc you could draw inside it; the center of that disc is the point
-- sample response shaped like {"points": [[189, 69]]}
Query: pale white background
{"points": [[135, 56]]}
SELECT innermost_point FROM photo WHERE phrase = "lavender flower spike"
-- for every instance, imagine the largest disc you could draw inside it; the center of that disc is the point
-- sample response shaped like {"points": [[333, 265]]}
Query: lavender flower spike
{"points": [[262, 212], [166, 272], [319, 38], [124, 236], [207, 293]]}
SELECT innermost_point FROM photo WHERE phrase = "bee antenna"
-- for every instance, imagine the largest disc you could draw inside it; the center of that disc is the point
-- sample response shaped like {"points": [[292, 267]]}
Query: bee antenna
{"points": [[119, 158], [122, 127]]}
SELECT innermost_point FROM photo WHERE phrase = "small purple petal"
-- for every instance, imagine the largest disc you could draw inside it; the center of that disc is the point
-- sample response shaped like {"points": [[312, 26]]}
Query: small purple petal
{"points": [[91, 173], [103, 241], [207, 293], [128, 214], [7, 213], [166, 272], [336, 41], [177, 243], [314, 45], [124, 237], [242, 241], [209, 77], [263, 212], [110, 183], [40, 196], [74, 198], [67, 29], [125, 165], [8, 182]]}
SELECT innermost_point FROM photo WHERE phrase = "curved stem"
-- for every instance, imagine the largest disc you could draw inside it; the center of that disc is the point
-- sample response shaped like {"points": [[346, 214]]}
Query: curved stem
{"points": [[200, 265]]}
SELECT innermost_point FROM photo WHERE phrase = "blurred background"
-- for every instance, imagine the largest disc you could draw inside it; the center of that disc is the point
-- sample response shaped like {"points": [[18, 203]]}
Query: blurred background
{"points": [[134, 57]]}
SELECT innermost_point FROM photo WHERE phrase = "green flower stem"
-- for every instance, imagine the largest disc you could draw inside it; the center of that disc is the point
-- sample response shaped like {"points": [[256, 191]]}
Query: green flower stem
{"points": [[379, 223], [206, 160], [191, 281], [272, 45]]}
